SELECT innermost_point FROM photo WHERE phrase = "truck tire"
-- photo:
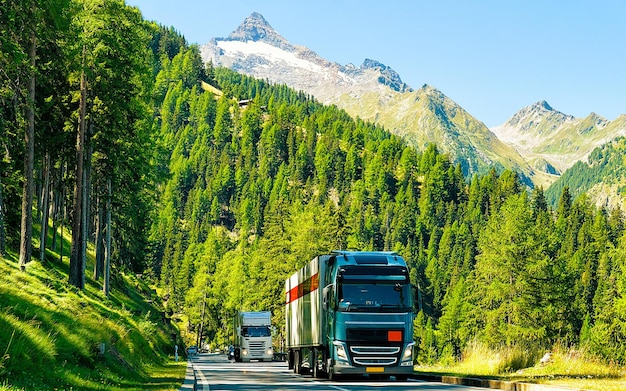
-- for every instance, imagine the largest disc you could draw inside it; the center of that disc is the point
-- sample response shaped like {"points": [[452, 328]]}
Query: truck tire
{"points": [[297, 363], [290, 360], [315, 369], [319, 358]]}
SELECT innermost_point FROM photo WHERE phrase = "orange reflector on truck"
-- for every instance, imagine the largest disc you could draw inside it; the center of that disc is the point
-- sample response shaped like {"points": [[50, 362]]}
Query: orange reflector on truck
{"points": [[394, 336]]}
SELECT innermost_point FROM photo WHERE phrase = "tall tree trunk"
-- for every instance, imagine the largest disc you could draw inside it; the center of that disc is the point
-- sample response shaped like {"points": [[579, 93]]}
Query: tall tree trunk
{"points": [[84, 223], [62, 242], [106, 288], [45, 207], [58, 204], [76, 275], [26, 230], [86, 197], [64, 211], [55, 205], [201, 328], [2, 232], [99, 242]]}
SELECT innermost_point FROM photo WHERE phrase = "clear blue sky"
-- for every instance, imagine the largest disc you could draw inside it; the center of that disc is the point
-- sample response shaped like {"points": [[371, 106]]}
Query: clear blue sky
{"points": [[491, 57]]}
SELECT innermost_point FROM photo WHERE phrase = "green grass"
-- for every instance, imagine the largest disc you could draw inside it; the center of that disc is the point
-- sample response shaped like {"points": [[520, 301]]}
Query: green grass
{"points": [[569, 368], [51, 333]]}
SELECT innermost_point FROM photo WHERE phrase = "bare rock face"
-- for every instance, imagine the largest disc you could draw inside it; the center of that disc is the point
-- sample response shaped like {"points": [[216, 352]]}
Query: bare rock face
{"points": [[256, 49]]}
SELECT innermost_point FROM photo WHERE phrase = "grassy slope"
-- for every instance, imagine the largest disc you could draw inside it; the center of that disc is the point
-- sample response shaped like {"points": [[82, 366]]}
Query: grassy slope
{"points": [[565, 368], [50, 333]]}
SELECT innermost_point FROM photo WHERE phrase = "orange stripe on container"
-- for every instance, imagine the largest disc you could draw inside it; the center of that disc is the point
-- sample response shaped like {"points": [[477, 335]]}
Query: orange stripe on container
{"points": [[304, 288]]}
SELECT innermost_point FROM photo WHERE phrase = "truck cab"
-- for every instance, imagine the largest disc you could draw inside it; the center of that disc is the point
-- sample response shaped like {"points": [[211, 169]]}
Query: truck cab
{"points": [[253, 336]]}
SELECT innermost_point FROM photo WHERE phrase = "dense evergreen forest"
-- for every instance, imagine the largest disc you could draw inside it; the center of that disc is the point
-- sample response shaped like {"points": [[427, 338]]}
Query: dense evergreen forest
{"points": [[220, 186], [605, 165]]}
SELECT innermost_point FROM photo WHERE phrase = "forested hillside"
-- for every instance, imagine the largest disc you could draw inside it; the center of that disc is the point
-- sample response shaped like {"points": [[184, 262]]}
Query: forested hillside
{"points": [[602, 177], [263, 178], [78, 161], [220, 186]]}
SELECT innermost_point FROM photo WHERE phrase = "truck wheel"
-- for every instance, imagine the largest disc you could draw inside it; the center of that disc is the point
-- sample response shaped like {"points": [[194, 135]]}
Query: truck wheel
{"points": [[290, 360], [315, 370], [318, 355], [297, 363]]}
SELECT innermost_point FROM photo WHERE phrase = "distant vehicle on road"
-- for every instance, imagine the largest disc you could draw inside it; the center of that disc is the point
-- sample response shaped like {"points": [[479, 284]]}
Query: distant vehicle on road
{"points": [[252, 338], [192, 350]]}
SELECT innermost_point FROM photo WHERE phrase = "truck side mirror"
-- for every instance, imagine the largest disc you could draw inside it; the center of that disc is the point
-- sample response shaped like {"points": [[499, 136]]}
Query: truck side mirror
{"points": [[327, 300]]}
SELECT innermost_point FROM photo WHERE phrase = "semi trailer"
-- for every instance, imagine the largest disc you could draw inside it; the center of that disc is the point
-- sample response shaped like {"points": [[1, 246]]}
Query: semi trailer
{"points": [[253, 336], [350, 313]]}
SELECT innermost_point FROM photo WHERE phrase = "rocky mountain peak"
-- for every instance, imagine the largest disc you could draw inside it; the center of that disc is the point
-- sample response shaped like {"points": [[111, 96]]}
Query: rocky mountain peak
{"points": [[388, 76], [542, 105], [538, 113], [256, 28]]}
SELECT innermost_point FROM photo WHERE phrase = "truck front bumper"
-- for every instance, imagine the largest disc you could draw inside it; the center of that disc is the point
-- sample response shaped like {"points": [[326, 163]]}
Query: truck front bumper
{"points": [[387, 370]]}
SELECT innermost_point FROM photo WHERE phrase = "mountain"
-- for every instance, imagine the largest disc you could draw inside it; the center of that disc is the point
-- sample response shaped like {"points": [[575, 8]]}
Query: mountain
{"points": [[372, 91], [552, 141], [256, 49], [602, 177]]}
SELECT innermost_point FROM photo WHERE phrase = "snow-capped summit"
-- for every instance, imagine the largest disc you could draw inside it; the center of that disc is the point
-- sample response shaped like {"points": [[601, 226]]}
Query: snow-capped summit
{"points": [[256, 49], [256, 28]]}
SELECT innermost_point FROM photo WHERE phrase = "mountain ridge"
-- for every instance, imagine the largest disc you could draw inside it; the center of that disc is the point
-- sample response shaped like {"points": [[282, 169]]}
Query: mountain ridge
{"points": [[541, 133], [538, 142], [372, 91]]}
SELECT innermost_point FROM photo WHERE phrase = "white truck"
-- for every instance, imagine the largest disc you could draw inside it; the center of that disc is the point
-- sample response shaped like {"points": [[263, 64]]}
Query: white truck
{"points": [[253, 336]]}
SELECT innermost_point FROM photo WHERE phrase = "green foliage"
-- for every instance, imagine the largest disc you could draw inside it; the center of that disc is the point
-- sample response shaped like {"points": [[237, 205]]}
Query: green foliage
{"points": [[606, 164], [50, 335], [222, 193], [285, 178]]}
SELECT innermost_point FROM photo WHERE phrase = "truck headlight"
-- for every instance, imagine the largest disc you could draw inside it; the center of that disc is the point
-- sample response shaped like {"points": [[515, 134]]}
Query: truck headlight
{"points": [[341, 351], [407, 356], [244, 352], [269, 351]]}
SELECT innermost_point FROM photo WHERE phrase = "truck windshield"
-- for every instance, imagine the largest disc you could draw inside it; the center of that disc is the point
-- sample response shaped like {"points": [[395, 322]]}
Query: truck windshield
{"points": [[257, 331], [383, 296]]}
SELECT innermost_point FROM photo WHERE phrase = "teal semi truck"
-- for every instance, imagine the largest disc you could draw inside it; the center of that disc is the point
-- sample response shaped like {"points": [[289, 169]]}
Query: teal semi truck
{"points": [[350, 313]]}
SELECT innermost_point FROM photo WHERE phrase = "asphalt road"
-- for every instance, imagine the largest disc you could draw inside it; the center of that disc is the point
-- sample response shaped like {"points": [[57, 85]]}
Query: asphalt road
{"points": [[215, 373]]}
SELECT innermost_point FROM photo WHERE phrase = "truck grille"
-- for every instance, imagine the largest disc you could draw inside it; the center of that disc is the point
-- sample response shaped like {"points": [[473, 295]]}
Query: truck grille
{"points": [[368, 361], [257, 349], [375, 355], [378, 350], [371, 347]]}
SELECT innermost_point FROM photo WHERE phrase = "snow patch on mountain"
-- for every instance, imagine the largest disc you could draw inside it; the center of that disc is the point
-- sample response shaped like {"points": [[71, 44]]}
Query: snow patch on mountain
{"points": [[271, 55], [257, 50]]}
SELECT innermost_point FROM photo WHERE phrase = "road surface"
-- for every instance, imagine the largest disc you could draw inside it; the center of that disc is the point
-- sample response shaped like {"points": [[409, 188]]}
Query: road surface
{"points": [[215, 373]]}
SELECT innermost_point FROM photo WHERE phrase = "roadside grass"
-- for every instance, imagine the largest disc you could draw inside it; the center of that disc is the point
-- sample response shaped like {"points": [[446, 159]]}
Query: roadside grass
{"points": [[53, 336], [576, 369]]}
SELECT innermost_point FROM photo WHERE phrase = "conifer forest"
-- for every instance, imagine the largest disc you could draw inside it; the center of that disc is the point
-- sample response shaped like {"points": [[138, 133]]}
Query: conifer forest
{"points": [[219, 186]]}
